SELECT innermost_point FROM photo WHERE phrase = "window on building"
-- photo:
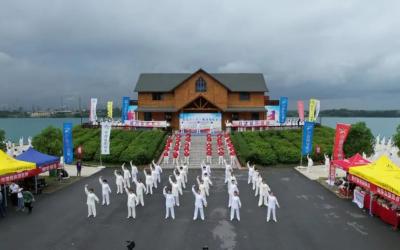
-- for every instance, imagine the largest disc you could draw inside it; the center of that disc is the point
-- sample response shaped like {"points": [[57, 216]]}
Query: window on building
{"points": [[147, 116], [157, 96], [255, 116], [201, 85], [244, 96], [168, 116], [235, 116]]}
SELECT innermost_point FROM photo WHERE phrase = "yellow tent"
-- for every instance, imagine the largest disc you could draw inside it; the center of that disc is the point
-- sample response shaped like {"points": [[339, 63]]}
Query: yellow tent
{"points": [[382, 173], [9, 165]]}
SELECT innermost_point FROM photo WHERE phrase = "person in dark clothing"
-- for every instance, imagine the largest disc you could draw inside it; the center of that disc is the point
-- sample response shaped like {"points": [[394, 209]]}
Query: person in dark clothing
{"points": [[78, 168], [28, 199], [2, 209]]}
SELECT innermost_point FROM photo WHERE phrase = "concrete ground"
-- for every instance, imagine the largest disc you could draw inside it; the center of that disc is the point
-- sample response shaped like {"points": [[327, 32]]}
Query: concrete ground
{"points": [[310, 217]]}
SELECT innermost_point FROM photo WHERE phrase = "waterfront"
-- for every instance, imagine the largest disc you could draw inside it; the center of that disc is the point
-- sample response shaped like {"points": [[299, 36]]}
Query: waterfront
{"points": [[17, 127]]}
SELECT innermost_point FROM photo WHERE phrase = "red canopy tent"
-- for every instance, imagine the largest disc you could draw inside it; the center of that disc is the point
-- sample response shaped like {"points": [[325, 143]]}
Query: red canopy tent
{"points": [[354, 161]]}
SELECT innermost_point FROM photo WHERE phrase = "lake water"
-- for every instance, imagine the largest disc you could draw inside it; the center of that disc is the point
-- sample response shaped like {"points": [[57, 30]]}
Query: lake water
{"points": [[17, 127]]}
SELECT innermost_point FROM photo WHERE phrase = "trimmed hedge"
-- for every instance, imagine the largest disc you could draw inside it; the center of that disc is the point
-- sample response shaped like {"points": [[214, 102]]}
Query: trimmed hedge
{"points": [[279, 146], [139, 146]]}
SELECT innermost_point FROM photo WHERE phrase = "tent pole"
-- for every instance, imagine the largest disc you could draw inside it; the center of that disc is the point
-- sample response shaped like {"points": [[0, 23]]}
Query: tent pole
{"points": [[36, 182], [4, 195], [370, 202]]}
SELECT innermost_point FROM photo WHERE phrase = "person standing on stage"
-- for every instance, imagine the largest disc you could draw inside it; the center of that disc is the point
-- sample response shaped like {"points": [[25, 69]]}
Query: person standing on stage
{"points": [[199, 203], [140, 189], [105, 191], [236, 205], [198, 127], [169, 203], [272, 204], [91, 201]]}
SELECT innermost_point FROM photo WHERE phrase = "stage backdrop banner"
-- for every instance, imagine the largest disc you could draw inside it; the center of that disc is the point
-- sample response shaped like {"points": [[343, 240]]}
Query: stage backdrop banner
{"points": [[105, 138], [308, 132], [189, 120], [342, 130], [110, 109], [67, 143], [300, 109], [125, 107], [273, 115], [93, 107], [311, 110], [132, 112], [283, 104]]}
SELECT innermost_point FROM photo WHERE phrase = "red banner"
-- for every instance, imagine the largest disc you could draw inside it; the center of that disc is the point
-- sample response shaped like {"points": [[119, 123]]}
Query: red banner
{"points": [[342, 130], [26, 174], [300, 109]]}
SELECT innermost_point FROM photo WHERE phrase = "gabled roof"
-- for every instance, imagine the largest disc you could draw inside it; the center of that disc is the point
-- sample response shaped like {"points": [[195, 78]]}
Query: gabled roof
{"points": [[235, 82]]}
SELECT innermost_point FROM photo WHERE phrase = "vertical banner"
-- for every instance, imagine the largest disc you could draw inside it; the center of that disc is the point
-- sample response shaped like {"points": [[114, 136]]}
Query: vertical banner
{"points": [[317, 108], [132, 112], [300, 109], [342, 130], [311, 110], [110, 109], [105, 138], [283, 104], [93, 107], [308, 132], [67, 143], [273, 115], [125, 107]]}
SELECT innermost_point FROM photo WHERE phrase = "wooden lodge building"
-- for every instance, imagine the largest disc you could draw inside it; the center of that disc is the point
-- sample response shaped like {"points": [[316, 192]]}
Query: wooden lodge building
{"points": [[237, 96]]}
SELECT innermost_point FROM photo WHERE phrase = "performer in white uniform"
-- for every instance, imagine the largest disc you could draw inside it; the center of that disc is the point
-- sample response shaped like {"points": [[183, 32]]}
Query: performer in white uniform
{"points": [[183, 174], [232, 190], [158, 170], [186, 169], [119, 181], [201, 187], [131, 203], [149, 182], [169, 203], [310, 163], [258, 184], [207, 183], [134, 172], [272, 203], [174, 189], [105, 191], [199, 203], [91, 201], [127, 176], [140, 189], [251, 171], [236, 205], [264, 192], [328, 161], [228, 172], [179, 181], [255, 177]]}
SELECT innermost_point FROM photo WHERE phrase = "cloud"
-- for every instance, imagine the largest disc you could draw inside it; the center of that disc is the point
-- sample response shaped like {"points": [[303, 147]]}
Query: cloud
{"points": [[53, 49]]}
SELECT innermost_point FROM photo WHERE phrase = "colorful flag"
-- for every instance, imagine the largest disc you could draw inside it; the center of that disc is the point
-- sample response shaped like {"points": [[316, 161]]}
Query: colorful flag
{"points": [[317, 108], [110, 109], [283, 105], [67, 143], [105, 138], [342, 130], [311, 110], [125, 107], [93, 107], [308, 132], [300, 109]]}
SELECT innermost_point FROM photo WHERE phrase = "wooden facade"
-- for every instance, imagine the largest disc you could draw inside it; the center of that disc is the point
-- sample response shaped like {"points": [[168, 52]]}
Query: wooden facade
{"points": [[187, 96]]}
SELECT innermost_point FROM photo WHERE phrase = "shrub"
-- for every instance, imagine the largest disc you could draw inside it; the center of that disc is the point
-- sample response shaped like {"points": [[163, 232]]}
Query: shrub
{"points": [[396, 138], [360, 139], [2, 138], [49, 141]]}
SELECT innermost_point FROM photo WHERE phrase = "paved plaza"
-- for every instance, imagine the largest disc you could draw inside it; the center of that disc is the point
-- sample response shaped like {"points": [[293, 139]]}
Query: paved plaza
{"points": [[310, 217]]}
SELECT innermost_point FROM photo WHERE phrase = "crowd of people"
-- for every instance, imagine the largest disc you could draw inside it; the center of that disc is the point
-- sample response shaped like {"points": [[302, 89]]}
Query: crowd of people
{"points": [[178, 181], [21, 199]]}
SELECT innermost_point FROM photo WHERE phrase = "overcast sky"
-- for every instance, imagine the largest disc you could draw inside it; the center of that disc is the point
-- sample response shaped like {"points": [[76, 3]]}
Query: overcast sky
{"points": [[346, 53]]}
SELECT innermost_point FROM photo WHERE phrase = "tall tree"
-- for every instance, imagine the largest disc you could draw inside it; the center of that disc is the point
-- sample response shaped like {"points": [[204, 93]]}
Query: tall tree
{"points": [[2, 138], [49, 141], [397, 137], [359, 140]]}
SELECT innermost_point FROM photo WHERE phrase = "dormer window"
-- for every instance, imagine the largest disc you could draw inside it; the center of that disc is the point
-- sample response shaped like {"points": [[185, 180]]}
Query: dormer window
{"points": [[201, 85]]}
